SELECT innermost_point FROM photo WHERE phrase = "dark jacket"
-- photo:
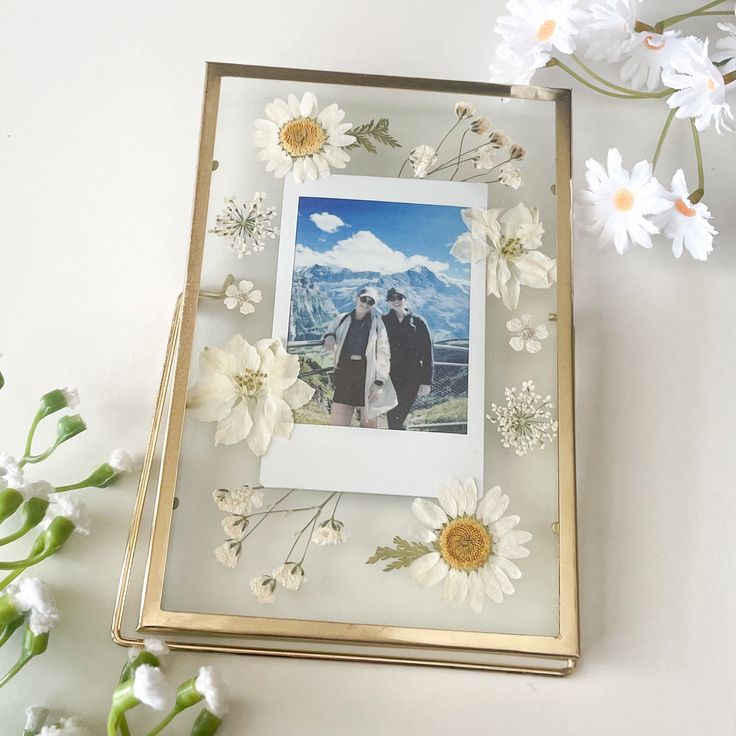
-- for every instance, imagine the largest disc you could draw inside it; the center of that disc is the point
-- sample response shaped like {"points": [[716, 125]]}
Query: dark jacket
{"points": [[411, 348]]}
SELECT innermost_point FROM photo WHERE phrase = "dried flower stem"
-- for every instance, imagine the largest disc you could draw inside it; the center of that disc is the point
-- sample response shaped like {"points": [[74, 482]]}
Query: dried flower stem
{"points": [[486, 173], [313, 521], [459, 154], [266, 513]]}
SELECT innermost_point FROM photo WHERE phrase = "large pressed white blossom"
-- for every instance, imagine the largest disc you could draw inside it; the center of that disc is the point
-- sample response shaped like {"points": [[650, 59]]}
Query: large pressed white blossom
{"points": [[686, 224], [701, 89], [210, 686], [250, 391], [474, 544], [296, 136], [33, 596], [151, 687], [618, 202]]}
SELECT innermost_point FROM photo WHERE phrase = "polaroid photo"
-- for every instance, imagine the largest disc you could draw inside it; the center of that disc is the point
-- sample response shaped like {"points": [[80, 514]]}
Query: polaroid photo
{"points": [[389, 328]]}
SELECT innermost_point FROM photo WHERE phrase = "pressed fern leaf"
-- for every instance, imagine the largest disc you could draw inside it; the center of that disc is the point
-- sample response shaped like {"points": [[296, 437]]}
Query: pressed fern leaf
{"points": [[402, 554], [368, 134]]}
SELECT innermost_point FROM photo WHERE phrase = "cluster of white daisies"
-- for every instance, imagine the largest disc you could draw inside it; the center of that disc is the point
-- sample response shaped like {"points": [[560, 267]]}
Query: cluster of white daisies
{"points": [[629, 206]]}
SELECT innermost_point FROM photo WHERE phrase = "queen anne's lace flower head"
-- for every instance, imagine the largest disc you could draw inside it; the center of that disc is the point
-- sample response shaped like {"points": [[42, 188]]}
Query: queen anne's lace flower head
{"points": [[246, 225], [473, 544]]}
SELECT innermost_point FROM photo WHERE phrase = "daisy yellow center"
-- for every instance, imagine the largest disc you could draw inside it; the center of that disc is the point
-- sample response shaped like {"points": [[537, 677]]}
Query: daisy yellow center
{"points": [[683, 209], [302, 137], [545, 31], [653, 45], [250, 382], [465, 543], [623, 200], [711, 84]]}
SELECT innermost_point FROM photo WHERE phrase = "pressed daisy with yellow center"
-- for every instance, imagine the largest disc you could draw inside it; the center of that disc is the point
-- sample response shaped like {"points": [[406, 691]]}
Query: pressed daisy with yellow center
{"points": [[546, 30], [683, 209], [302, 137], [465, 543], [250, 382], [623, 199]]}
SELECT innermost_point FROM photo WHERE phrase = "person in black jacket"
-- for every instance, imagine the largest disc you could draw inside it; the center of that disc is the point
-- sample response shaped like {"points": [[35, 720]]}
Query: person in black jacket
{"points": [[411, 356]]}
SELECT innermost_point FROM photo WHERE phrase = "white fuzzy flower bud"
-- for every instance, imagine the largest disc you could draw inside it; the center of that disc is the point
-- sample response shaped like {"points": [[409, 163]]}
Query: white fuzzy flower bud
{"points": [[464, 110], [36, 716], [34, 597], [151, 688], [11, 476], [66, 727], [37, 489], [120, 461], [69, 508], [209, 685], [71, 396]]}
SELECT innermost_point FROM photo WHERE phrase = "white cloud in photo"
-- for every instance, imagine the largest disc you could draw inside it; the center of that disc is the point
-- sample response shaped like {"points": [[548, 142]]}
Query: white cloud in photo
{"points": [[365, 252], [326, 222]]}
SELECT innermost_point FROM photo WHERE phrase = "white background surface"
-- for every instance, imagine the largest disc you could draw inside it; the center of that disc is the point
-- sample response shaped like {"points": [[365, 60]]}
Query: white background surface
{"points": [[98, 141]]}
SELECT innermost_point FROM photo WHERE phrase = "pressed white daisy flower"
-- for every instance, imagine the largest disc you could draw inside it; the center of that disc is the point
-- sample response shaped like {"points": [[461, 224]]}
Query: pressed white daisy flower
{"points": [[701, 90], [246, 225], [510, 176], [11, 475], [648, 54], [244, 296], [331, 531], [263, 588], [295, 136], [526, 421], [686, 224], [238, 501], [210, 686], [537, 27], [726, 49], [289, 576], [250, 391], [606, 28], [422, 158], [619, 202], [474, 544], [527, 334]]}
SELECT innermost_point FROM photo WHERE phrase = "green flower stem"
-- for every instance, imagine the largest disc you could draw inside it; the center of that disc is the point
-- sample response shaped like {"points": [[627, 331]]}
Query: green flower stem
{"points": [[46, 544], [173, 713], [662, 136], [600, 90], [453, 162], [267, 512], [14, 670], [730, 77], [206, 724], [697, 195], [337, 503], [10, 501], [10, 629], [32, 431], [33, 645], [17, 535], [604, 81], [67, 427], [123, 725], [674, 19], [112, 722]]}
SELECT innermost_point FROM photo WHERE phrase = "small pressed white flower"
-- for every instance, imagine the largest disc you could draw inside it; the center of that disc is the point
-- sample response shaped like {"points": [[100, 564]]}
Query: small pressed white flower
{"points": [[485, 157], [527, 334], [474, 544], [464, 110], [246, 225], [66, 727], [331, 531], [37, 489], [263, 588], [481, 126], [526, 421], [619, 202], [517, 152], [244, 296], [686, 224], [295, 136], [422, 158], [70, 508], [241, 501], [120, 461], [34, 597], [250, 391], [228, 553], [289, 576], [498, 139], [11, 475], [210, 686], [151, 687], [701, 89], [234, 526], [510, 176], [648, 55]]}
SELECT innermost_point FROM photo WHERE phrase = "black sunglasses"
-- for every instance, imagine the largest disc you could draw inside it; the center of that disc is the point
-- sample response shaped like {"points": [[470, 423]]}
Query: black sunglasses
{"points": [[369, 300], [396, 298]]}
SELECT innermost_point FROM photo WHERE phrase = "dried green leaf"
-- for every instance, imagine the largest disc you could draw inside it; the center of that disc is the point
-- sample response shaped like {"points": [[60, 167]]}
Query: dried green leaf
{"points": [[367, 134], [402, 554]]}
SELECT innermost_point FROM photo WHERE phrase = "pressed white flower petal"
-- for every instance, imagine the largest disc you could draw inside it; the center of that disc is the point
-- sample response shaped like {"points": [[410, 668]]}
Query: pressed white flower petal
{"points": [[487, 503], [428, 513], [447, 501], [471, 496], [477, 590], [457, 491], [517, 343], [234, 427], [503, 581], [211, 399], [455, 588], [508, 567], [428, 570], [500, 527], [514, 325], [298, 394], [533, 346], [214, 361], [247, 308], [490, 585]]}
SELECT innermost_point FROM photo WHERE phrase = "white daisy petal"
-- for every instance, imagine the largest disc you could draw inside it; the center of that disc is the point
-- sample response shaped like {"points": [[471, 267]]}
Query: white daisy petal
{"points": [[428, 513]]}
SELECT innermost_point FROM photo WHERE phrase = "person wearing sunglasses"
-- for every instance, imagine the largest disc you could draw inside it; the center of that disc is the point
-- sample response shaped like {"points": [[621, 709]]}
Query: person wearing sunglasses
{"points": [[360, 346], [411, 356]]}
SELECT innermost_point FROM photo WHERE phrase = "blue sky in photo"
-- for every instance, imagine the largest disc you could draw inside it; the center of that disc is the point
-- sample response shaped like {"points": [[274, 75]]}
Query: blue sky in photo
{"points": [[373, 235]]}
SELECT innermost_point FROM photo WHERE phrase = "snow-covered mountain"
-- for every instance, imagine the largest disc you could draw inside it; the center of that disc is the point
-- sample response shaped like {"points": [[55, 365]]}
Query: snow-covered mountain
{"points": [[321, 292]]}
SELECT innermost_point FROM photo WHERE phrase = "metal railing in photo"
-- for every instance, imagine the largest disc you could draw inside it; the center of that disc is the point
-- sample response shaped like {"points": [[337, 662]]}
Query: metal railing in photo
{"points": [[444, 409]]}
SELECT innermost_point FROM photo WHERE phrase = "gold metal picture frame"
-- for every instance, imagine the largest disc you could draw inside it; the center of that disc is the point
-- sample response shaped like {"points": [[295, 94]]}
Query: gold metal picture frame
{"points": [[556, 655]]}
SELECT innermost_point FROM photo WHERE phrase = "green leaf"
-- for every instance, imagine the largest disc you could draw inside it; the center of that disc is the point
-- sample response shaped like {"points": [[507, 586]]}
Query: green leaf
{"points": [[368, 134], [402, 554]]}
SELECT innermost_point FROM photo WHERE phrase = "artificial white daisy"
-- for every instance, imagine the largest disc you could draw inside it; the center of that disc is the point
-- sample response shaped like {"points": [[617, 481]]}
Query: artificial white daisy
{"points": [[289, 576], [525, 422], [246, 225], [244, 296], [331, 531], [701, 89], [686, 224], [472, 544], [510, 176], [228, 553], [606, 28], [422, 158], [296, 136], [648, 55], [11, 475], [241, 500], [725, 53], [537, 27], [263, 588], [250, 391], [527, 334], [506, 68], [509, 244], [619, 202]]}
